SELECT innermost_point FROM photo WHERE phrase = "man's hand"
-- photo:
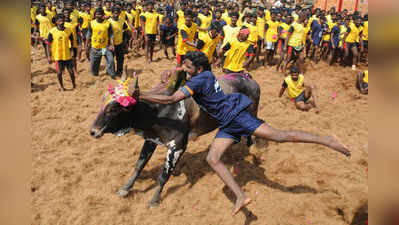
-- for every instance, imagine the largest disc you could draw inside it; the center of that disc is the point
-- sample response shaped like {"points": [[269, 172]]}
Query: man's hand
{"points": [[111, 48]]}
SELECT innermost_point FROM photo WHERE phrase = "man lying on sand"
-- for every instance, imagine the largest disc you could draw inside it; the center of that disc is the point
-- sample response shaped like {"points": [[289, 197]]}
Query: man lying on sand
{"points": [[299, 92]]}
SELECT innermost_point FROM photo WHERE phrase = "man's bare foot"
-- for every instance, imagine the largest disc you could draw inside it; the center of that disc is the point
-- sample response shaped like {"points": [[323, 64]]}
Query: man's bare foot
{"points": [[240, 203], [336, 144]]}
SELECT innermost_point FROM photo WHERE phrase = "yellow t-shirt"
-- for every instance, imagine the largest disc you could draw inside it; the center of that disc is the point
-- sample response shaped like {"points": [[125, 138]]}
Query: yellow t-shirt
{"points": [[235, 57], [205, 23], [353, 34], [230, 33], [74, 16], [99, 37], [305, 34], [272, 33], [44, 25], [327, 37], [151, 22], [253, 33], [210, 46], [297, 35], [72, 27], [117, 30], [260, 24], [294, 88], [60, 46], [181, 21], [182, 47], [87, 18], [284, 30], [365, 34], [366, 76], [267, 15], [107, 13]]}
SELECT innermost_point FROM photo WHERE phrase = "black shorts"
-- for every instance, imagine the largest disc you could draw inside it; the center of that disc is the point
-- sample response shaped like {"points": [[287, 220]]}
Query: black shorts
{"points": [[151, 37], [365, 44], [350, 45], [259, 45], [294, 52], [301, 98], [74, 52], [61, 65], [168, 43]]}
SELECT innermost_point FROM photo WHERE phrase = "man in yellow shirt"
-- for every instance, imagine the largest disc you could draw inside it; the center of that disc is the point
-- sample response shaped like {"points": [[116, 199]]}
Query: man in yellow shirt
{"points": [[353, 32], [59, 50], [282, 34], [186, 35], [102, 43], [298, 92], [364, 48], [119, 27], [294, 43], [271, 29], [207, 44], [240, 53], [43, 26], [151, 21]]}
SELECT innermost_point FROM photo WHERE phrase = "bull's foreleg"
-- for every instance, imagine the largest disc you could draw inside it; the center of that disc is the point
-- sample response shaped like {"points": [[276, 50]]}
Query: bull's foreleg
{"points": [[145, 155], [175, 151]]}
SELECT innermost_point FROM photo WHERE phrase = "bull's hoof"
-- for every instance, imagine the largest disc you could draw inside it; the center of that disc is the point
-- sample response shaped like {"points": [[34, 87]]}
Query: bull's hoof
{"points": [[123, 193], [154, 204]]}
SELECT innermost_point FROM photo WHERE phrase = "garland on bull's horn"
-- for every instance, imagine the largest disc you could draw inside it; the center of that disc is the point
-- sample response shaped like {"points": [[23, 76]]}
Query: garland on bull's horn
{"points": [[120, 93]]}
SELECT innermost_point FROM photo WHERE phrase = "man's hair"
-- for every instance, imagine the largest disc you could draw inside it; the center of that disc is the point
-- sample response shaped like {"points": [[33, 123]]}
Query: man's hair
{"points": [[99, 10], [59, 16], [198, 59], [294, 69], [235, 14], [115, 8], [189, 12]]}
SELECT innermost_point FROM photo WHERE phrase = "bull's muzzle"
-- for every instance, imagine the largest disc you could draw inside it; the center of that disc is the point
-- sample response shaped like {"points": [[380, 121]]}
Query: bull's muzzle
{"points": [[96, 132]]}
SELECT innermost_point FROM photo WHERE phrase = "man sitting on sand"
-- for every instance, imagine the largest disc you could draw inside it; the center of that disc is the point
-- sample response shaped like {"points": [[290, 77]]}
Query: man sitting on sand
{"points": [[298, 92]]}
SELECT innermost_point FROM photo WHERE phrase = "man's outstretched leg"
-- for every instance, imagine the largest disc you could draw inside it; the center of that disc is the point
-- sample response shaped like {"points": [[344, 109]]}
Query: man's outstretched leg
{"points": [[216, 151], [270, 133]]}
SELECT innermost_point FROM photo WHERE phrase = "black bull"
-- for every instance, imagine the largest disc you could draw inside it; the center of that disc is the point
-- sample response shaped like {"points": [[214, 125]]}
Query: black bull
{"points": [[169, 125]]}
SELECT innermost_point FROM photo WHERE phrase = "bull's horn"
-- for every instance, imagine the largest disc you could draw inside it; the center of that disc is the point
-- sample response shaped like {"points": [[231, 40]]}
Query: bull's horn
{"points": [[124, 75], [136, 82]]}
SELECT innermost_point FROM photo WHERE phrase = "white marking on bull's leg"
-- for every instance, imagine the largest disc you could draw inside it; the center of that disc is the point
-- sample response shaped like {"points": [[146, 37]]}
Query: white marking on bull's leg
{"points": [[167, 167], [176, 156], [181, 110], [171, 144]]}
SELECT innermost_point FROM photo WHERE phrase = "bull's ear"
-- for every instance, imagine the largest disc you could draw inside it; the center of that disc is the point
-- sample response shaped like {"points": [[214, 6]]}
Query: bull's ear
{"points": [[124, 75]]}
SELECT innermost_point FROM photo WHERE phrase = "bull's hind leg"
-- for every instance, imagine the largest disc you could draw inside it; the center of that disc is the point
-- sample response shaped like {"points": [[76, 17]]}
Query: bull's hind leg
{"points": [[145, 155], [175, 151]]}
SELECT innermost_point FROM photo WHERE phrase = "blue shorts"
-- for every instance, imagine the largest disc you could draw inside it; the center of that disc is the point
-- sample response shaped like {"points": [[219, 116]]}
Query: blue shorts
{"points": [[244, 124]]}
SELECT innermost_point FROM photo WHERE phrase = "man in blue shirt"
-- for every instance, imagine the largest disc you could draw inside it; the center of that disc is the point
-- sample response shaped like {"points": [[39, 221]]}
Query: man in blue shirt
{"points": [[230, 111]]}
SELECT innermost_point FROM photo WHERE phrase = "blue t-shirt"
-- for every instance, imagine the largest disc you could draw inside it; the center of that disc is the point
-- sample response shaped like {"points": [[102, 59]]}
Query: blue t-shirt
{"points": [[317, 32], [207, 93], [335, 31], [168, 30], [221, 22]]}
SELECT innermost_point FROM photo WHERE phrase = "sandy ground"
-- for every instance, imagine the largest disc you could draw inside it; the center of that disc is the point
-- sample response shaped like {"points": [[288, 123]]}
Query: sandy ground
{"points": [[75, 177]]}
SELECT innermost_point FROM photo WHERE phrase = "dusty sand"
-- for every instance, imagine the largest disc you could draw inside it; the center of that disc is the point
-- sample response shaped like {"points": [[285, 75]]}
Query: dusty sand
{"points": [[75, 177]]}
